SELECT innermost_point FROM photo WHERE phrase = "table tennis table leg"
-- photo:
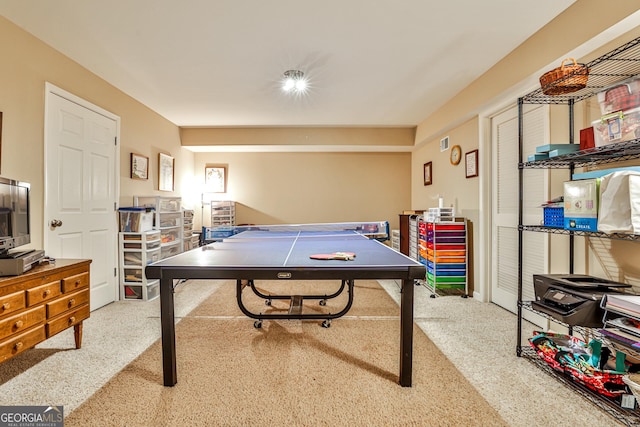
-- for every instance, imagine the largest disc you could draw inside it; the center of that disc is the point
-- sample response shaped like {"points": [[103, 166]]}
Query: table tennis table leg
{"points": [[406, 332], [168, 328]]}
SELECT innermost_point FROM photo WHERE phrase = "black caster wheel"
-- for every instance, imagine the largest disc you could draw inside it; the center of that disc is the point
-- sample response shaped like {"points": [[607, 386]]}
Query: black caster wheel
{"points": [[326, 323], [323, 302], [465, 296], [257, 324], [432, 296], [267, 302]]}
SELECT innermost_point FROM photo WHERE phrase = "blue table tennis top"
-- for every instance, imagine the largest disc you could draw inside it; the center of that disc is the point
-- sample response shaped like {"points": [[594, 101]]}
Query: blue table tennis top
{"points": [[286, 254]]}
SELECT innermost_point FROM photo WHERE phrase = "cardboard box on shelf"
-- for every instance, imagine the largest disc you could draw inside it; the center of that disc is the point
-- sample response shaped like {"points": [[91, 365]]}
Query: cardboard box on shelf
{"points": [[581, 204]]}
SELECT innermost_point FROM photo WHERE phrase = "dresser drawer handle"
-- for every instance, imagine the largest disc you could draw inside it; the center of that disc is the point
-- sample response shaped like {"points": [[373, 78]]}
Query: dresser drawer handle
{"points": [[19, 324], [72, 301], [46, 293], [6, 306], [77, 282], [72, 319], [18, 345]]}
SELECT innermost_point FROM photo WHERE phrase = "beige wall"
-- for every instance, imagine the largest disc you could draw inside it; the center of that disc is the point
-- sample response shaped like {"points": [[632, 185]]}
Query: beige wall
{"points": [[308, 187], [450, 182], [27, 64], [277, 188], [318, 136]]}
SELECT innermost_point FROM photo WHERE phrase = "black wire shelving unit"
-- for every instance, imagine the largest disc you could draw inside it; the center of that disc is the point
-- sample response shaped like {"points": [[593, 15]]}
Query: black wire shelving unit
{"points": [[605, 72]]}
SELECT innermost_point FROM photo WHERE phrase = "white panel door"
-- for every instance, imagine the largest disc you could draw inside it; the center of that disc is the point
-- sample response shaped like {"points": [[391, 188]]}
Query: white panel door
{"points": [[504, 271], [80, 191]]}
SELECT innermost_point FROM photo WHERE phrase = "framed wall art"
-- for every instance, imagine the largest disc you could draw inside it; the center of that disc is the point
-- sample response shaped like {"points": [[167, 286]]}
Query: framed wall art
{"points": [[428, 174], [165, 172], [215, 178], [139, 166], [471, 163]]}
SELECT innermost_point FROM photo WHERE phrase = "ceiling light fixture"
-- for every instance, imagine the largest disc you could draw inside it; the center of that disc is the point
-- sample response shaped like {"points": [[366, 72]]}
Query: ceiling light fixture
{"points": [[294, 81]]}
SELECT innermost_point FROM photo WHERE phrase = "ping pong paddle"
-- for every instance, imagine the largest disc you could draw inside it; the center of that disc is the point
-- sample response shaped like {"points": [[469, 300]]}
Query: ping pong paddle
{"points": [[344, 256]]}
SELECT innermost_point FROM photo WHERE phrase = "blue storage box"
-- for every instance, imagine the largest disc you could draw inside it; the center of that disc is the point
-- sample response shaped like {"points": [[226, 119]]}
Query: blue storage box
{"points": [[564, 148], [553, 216], [537, 156], [561, 151]]}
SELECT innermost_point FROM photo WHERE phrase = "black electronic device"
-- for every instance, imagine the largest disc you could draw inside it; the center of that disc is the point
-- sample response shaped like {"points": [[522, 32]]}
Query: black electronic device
{"points": [[573, 299], [14, 215], [15, 231]]}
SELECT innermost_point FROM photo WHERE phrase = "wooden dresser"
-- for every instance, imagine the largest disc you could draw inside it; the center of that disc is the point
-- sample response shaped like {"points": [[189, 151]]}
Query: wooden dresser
{"points": [[42, 302]]}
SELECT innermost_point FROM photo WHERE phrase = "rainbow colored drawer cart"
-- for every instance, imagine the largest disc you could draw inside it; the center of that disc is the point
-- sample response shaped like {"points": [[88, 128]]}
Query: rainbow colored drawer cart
{"points": [[443, 249]]}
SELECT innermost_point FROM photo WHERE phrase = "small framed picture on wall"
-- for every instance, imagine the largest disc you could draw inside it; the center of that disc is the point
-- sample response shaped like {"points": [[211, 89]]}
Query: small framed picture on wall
{"points": [[471, 163], [165, 172], [139, 166], [428, 174], [215, 178]]}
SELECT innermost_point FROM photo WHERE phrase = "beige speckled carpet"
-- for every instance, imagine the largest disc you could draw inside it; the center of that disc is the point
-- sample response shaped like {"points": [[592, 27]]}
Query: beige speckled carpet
{"points": [[289, 373]]}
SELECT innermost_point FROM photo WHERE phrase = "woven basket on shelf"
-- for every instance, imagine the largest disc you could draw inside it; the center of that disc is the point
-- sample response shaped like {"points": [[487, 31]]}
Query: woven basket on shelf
{"points": [[565, 78]]}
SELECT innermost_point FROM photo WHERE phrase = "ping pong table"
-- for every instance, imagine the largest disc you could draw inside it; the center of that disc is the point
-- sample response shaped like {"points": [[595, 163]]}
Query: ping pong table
{"points": [[283, 253]]}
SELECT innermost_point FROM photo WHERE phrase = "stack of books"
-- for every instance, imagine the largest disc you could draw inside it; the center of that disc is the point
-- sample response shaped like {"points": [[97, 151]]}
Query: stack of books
{"points": [[625, 329]]}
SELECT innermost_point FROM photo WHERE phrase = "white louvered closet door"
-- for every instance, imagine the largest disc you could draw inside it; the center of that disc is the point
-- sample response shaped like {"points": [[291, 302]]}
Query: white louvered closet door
{"points": [[504, 271]]}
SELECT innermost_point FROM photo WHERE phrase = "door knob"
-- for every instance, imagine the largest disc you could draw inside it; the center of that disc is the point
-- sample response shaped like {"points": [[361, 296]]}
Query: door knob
{"points": [[55, 223]]}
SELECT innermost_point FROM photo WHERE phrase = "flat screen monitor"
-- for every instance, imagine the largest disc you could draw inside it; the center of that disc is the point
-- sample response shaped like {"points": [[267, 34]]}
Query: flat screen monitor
{"points": [[14, 214]]}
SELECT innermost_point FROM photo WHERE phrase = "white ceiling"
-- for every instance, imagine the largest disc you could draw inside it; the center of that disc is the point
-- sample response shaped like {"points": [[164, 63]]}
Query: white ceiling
{"points": [[219, 62]]}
